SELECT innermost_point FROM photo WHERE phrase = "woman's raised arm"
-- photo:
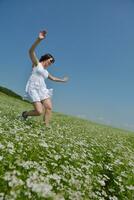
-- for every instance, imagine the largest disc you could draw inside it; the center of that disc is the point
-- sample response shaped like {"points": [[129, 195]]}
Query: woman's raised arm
{"points": [[32, 54]]}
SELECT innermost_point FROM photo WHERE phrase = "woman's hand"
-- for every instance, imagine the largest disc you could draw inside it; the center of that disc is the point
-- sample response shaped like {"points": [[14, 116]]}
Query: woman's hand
{"points": [[65, 79], [42, 35]]}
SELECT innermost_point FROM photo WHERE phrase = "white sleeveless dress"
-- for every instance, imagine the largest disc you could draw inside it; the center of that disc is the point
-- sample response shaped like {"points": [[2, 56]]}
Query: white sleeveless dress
{"points": [[36, 89]]}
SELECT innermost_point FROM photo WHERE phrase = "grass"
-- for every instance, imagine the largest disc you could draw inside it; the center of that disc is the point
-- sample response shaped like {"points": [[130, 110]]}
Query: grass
{"points": [[74, 160]]}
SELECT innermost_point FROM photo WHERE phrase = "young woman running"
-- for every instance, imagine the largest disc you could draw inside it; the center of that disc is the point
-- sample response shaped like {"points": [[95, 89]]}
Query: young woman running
{"points": [[36, 88]]}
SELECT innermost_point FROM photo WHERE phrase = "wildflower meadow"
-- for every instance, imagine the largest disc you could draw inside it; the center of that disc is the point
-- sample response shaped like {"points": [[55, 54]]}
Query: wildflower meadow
{"points": [[73, 160]]}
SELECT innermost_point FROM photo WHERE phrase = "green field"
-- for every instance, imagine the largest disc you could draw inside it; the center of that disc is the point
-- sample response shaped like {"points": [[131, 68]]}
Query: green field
{"points": [[75, 159]]}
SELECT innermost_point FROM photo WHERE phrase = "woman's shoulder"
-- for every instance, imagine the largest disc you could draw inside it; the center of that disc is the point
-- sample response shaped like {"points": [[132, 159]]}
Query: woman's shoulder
{"points": [[38, 65]]}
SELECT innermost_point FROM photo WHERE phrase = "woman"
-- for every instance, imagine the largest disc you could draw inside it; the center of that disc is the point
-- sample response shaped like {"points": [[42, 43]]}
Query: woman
{"points": [[36, 88]]}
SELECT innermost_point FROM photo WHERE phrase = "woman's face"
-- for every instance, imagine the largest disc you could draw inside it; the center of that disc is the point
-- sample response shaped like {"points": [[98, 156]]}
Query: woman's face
{"points": [[47, 62]]}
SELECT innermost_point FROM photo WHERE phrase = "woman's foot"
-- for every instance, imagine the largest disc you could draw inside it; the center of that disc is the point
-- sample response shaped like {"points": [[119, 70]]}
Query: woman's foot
{"points": [[24, 115], [48, 126]]}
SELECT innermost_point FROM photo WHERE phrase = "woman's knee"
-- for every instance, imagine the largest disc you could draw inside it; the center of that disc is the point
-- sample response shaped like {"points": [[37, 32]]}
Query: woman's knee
{"points": [[38, 107], [48, 104], [48, 108], [39, 111]]}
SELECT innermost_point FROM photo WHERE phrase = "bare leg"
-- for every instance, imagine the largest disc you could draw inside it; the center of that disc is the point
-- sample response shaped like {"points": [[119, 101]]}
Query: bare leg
{"points": [[48, 111], [38, 109]]}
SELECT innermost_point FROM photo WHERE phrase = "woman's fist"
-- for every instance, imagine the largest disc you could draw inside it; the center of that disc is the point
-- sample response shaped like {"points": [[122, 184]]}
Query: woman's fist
{"points": [[42, 35]]}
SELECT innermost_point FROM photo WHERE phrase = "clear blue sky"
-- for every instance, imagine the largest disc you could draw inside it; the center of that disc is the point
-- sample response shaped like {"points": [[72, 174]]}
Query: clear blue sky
{"points": [[92, 42]]}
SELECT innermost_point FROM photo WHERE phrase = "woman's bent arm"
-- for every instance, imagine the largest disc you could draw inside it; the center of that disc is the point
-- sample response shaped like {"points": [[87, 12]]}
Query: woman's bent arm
{"points": [[32, 54]]}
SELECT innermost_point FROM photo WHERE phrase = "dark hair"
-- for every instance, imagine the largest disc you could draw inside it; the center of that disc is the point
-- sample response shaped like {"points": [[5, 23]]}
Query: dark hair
{"points": [[46, 57]]}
